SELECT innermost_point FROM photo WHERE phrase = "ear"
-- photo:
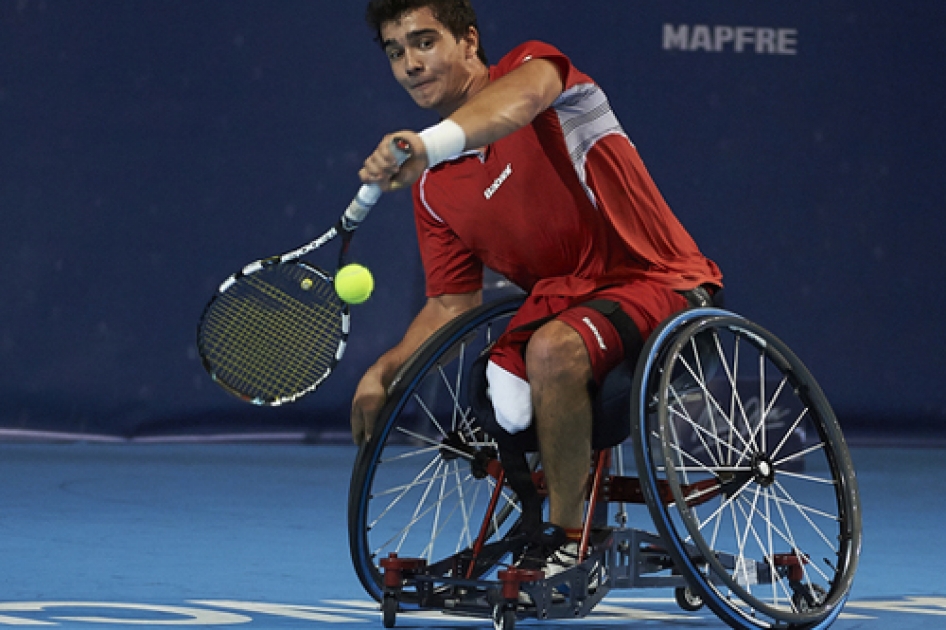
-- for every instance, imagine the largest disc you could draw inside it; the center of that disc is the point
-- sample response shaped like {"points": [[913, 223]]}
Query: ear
{"points": [[472, 42]]}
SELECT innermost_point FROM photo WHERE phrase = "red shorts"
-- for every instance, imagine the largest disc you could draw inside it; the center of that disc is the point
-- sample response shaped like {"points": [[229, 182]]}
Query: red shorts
{"points": [[646, 303]]}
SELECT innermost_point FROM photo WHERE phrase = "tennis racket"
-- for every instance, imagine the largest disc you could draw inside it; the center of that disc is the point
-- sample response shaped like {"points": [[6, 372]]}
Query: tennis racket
{"points": [[276, 329]]}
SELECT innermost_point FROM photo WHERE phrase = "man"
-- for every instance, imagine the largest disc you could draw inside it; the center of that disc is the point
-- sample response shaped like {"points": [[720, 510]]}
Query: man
{"points": [[528, 173]]}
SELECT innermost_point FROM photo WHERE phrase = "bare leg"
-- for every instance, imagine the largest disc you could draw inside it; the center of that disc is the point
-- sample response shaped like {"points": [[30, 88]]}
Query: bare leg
{"points": [[559, 372]]}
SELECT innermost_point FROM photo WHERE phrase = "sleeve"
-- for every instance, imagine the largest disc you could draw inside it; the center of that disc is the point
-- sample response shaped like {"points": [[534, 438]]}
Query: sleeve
{"points": [[449, 266], [521, 54]]}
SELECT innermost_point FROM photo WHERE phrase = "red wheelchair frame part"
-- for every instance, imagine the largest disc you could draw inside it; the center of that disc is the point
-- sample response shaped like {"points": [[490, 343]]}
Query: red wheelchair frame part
{"points": [[601, 487]]}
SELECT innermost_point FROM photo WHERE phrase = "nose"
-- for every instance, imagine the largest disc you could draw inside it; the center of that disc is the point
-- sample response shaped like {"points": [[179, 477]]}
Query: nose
{"points": [[412, 63]]}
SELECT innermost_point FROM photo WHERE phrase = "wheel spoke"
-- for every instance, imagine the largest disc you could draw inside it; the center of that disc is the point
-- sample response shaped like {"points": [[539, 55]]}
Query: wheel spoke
{"points": [[403, 490]]}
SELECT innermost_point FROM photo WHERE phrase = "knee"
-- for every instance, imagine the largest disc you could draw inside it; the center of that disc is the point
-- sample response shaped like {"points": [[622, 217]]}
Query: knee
{"points": [[556, 352]]}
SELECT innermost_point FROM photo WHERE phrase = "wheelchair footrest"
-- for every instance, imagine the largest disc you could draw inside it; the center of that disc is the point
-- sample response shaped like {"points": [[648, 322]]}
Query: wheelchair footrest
{"points": [[620, 558]]}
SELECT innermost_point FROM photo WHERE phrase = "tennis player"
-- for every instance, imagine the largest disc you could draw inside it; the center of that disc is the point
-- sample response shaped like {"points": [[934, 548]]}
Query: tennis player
{"points": [[528, 173]]}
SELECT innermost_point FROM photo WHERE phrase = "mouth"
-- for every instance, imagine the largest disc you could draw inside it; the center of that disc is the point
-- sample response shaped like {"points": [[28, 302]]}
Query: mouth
{"points": [[425, 92], [420, 85]]}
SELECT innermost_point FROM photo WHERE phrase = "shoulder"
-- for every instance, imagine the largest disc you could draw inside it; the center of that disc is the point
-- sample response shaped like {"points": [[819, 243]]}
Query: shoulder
{"points": [[535, 49]]}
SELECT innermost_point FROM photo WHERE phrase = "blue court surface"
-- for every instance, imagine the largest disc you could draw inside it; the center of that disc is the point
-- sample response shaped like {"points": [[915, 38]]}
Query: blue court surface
{"points": [[255, 536]]}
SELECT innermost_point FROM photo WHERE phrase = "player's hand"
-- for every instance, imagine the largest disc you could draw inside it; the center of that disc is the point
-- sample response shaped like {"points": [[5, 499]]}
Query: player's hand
{"points": [[381, 167], [370, 396]]}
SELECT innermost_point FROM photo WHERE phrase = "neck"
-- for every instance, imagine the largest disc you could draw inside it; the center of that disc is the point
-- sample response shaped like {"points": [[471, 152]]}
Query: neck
{"points": [[476, 81]]}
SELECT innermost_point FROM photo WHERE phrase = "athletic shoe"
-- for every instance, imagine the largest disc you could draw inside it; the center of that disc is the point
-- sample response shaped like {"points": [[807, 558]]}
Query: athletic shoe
{"points": [[553, 553]]}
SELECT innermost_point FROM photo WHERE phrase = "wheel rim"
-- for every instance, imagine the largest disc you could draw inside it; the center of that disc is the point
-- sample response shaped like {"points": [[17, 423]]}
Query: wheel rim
{"points": [[420, 488], [765, 507]]}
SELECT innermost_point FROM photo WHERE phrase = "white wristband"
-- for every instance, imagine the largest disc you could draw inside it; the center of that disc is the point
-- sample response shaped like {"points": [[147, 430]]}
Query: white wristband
{"points": [[443, 141]]}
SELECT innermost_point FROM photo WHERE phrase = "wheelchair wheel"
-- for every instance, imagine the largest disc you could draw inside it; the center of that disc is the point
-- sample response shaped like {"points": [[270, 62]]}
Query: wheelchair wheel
{"points": [[745, 472], [420, 486]]}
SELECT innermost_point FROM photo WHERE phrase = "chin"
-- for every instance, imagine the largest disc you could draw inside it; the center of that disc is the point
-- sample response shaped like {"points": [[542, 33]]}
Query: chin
{"points": [[425, 103]]}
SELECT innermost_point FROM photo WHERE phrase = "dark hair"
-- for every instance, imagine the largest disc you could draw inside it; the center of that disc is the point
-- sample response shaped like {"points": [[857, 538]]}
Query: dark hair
{"points": [[457, 15]]}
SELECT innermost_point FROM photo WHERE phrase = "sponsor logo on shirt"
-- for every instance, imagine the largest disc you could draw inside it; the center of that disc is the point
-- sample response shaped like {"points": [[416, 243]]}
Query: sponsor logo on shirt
{"points": [[489, 192]]}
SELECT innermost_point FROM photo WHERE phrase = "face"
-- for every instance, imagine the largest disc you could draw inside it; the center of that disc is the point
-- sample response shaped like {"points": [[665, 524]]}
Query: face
{"points": [[427, 60]]}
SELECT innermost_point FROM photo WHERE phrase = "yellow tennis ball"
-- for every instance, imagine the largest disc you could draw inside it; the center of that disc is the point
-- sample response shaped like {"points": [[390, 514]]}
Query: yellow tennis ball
{"points": [[354, 283]]}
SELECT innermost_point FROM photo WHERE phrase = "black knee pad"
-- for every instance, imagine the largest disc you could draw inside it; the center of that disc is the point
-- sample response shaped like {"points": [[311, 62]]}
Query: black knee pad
{"points": [[612, 399]]}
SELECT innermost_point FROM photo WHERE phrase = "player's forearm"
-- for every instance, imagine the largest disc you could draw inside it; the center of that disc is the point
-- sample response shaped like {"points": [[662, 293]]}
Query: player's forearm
{"points": [[509, 103]]}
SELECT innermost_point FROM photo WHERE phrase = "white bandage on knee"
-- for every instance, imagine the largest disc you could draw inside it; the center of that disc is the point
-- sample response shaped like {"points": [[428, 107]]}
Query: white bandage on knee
{"points": [[512, 398], [444, 141]]}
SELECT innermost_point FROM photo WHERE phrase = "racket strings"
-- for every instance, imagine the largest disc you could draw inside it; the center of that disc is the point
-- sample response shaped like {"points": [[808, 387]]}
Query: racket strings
{"points": [[274, 367], [269, 339], [269, 356], [269, 342]]}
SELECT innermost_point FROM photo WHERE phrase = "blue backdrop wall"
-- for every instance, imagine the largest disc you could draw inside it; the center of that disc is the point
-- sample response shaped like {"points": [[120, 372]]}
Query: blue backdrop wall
{"points": [[151, 147]]}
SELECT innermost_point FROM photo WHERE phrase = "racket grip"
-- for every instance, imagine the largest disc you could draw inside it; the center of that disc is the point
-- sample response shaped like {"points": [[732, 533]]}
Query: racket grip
{"points": [[369, 194], [363, 202]]}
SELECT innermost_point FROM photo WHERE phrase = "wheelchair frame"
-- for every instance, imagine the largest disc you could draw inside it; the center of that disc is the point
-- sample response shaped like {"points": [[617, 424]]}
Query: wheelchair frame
{"points": [[706, 452]]}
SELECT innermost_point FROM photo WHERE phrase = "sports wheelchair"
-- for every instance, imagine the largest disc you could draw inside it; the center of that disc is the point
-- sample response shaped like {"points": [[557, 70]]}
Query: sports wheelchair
{"points": [[740, 463]]}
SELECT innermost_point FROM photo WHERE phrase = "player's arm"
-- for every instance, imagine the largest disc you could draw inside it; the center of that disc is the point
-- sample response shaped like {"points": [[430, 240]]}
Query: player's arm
{"points": [[500, 108], [371, 392], [509, 103]]}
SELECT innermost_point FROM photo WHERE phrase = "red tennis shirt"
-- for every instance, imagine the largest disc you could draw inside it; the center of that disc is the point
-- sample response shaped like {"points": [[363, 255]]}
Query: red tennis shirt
{"points": [[562, 206]]}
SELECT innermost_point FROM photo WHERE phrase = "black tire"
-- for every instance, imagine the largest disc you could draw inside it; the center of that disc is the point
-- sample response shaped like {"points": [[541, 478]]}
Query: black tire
{"points": [[504, 617], [762, 483], [417, 487], [388, 610], [808, 598], [687, 600]]}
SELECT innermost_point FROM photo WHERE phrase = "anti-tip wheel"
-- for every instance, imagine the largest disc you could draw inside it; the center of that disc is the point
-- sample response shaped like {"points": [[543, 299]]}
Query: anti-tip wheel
{"points": [[504, 616], [687, 600], [389, 610]]}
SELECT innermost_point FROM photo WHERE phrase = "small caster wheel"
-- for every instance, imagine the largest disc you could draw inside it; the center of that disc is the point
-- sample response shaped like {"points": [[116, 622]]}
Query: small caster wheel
{"points": [[687, 599], [389, 610], [504, 616], [808, 599]]}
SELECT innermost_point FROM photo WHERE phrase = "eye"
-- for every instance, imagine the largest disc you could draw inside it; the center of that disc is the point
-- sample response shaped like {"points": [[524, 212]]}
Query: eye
{"points": [[426, 44], [394, 53]]}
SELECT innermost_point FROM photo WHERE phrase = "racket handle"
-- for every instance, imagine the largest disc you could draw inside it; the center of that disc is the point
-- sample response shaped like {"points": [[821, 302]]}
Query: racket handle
{"points": [[369, 194]]}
